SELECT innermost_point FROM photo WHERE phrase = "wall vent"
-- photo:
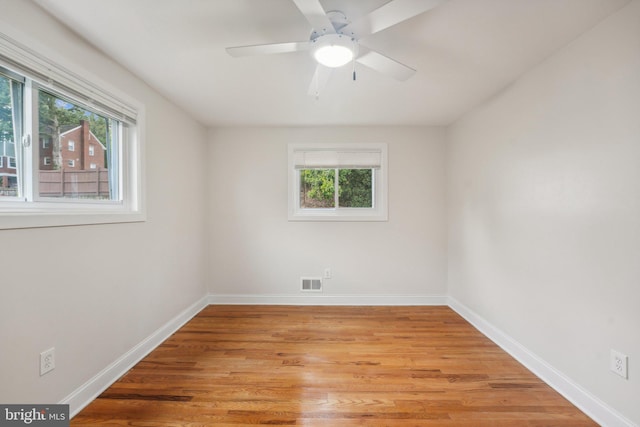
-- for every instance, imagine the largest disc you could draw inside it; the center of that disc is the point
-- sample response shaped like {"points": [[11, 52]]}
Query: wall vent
{"points": [[311, 284]]}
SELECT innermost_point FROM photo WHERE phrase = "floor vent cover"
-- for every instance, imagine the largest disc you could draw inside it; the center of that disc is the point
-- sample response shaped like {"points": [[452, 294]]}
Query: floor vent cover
{"points": [[311, 284]]}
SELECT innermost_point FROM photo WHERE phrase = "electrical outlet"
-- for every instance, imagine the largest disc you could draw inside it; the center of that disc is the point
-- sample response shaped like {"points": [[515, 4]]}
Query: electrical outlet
{"points": [[47, 361], [327, 273], [619, 363]]}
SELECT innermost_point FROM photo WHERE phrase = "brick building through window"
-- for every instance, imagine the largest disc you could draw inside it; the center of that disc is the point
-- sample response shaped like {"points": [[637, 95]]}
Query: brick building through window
{"points": [[76, 149]]}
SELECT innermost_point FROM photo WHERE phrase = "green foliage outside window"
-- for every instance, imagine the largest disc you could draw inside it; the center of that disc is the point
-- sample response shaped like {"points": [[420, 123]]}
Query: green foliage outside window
{"points": [[6, 121], [318, 188], [355, 188]]}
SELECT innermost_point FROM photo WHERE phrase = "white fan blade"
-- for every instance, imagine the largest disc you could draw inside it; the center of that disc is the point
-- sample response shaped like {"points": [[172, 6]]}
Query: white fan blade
{"points": [[384, 64], [319, 80], [267, 49], [387, 15], [315, 14]]}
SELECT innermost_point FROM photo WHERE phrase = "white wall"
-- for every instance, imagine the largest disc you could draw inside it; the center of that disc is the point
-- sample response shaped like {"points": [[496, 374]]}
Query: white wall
{"points": [[256, 251], [51, 296], [544, 209]]}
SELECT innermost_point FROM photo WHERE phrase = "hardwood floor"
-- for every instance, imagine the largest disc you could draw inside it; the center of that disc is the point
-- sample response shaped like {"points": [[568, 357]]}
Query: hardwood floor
{"points": [[329, 366]]}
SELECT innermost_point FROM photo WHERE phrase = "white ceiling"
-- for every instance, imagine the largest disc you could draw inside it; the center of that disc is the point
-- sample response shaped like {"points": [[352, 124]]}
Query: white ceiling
{"points": [[465, 51]]}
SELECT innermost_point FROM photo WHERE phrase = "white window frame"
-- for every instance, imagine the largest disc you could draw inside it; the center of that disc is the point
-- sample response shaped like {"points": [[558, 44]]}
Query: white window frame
{"points": [[379, 211], [71, 163], [12, 163], [31, 210], [1, 160], [46, 161], [93, 166], [71, 145], [92, 150]]}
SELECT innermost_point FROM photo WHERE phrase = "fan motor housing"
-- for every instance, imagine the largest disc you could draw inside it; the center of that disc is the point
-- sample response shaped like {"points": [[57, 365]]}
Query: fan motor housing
{"points": [[338, 20]]}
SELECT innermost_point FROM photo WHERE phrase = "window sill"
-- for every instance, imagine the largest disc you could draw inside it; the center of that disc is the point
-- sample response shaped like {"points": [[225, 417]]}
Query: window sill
{"points": [[337, 215], [59, 218]]}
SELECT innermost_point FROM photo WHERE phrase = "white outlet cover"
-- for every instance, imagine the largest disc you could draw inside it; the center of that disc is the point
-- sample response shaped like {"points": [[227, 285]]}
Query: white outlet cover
{"points": [[47, 361], [619, 363]]}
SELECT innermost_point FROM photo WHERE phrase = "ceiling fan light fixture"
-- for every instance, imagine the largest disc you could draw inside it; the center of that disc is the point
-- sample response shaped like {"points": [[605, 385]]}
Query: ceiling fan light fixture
{"points": [[334, 50]]}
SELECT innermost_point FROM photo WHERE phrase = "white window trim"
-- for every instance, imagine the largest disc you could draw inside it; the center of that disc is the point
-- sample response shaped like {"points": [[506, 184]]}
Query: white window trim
{"points": [[92, 150], [15, 212], [378, 213], [15, 163], [71, 145], [46, 161]]}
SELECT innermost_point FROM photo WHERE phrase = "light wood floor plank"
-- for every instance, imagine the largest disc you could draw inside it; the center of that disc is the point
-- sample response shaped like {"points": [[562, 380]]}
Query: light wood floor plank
{"points": [[330, 366]]}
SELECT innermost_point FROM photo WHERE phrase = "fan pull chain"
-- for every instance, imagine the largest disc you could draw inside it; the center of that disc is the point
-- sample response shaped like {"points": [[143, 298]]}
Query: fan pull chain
{"points": [[354, 70]]}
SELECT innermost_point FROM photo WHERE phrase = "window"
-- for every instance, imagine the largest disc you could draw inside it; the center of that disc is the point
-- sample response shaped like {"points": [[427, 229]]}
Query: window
{"points": [[333, 182], [39, 101], [92, 150]]}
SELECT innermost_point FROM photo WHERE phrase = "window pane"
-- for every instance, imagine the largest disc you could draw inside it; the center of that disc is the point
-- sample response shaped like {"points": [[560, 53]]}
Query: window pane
{"points": [[10, 102], [317, 188], [355, 188], [78, 151]]}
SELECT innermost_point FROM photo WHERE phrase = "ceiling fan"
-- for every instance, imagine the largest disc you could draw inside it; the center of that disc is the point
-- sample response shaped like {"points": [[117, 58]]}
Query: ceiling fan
{"points": [[334, 40]]}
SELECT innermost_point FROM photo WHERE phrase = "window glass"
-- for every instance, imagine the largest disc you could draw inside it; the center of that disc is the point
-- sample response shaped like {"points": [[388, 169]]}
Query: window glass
{"points": [[317, 188], [76, 133], [355, 188], [10, 107]]}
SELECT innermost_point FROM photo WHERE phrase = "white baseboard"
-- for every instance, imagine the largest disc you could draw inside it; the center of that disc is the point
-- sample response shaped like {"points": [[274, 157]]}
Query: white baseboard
{"points": [[599, 411], [319, 299], [90, 390]]}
